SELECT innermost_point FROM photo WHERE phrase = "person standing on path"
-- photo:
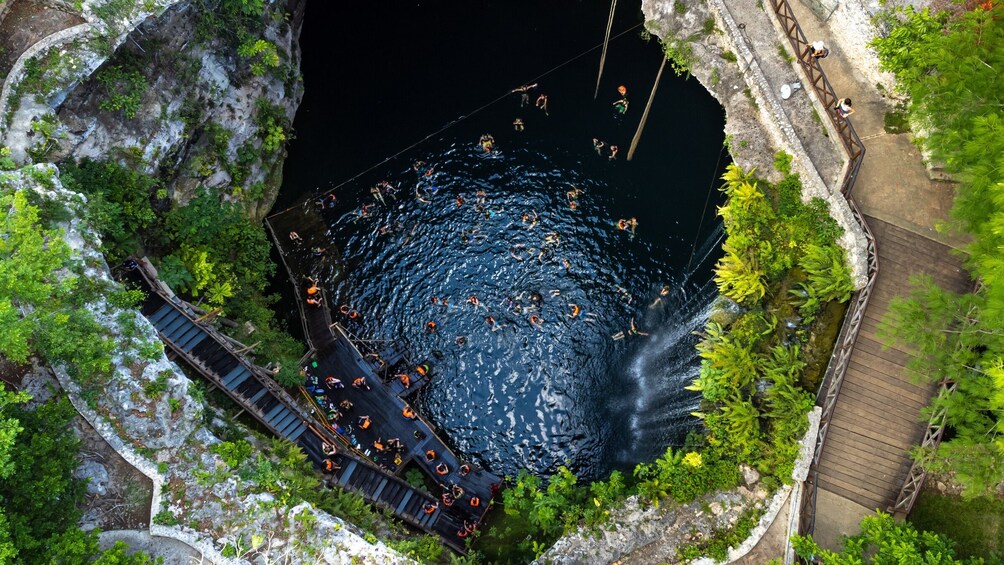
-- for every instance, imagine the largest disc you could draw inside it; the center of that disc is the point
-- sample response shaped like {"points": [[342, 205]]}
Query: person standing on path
{"points": [[843, 107]]}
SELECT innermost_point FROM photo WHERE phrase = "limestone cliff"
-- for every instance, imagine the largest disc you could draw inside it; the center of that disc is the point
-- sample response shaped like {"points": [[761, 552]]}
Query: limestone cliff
{"points": [[164, 92]]}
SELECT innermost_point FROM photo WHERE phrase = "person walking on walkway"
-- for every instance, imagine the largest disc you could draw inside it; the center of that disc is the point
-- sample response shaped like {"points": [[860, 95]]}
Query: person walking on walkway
{"points": [[819, 50], [843, 108]]}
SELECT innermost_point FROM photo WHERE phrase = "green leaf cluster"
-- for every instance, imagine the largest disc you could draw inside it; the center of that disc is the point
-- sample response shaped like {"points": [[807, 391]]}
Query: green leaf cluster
{"points": [[124, 89], [884, 540]]}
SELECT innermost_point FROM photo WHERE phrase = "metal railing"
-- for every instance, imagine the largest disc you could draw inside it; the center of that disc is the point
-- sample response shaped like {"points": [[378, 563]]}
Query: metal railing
{"points": [[932, 439], [837, 367]]}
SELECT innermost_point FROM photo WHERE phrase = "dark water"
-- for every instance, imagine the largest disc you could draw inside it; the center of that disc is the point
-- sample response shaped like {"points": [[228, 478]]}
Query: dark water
{"points": [[381, 78]]}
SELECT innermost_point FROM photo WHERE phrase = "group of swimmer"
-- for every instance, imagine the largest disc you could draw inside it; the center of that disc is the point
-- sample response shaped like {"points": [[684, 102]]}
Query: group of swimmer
{"points": [[598, 146]]}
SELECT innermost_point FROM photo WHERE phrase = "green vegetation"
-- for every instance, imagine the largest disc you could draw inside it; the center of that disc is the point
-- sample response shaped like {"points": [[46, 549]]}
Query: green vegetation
{"points": [[884, 540], [977, 526], [207, 249], [754, 382], [124, 88], [949, 65], [39, 498]]}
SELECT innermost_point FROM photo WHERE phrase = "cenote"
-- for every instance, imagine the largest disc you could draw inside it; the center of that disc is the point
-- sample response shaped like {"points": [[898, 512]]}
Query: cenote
{"points": [[390, 84]]}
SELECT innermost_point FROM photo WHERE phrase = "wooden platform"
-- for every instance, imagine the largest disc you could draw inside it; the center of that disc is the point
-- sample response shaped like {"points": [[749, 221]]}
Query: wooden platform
{"points": [[336, 352], [877, 416]]}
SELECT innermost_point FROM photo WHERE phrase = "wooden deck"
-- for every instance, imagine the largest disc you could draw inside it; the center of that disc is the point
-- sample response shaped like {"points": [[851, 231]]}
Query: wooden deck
{"points": [[334, 351], [877, 419]]}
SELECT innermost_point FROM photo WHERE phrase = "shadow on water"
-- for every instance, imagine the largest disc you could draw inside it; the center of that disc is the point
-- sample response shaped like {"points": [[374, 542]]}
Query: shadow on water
{"points": [[519, 395]]}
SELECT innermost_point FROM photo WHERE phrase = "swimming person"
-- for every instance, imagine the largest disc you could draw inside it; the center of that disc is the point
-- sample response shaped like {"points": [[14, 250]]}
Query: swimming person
{"points": [[360, 383], [517, 124], [621, 106], [524, 91], [293, 236], [598, 146], [430, 326], [542, 103], [575, 310], [634, 329], [473, 300], [613, 152], [487, 143], [536, 321]]}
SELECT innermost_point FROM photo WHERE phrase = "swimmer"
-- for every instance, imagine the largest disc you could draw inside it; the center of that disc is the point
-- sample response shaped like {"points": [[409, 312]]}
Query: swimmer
{"points": [[536, 297], [634, 329], [573, 205], [435, 300], [617, 336], [487, 143], [621, 106], [574, 193], [536, 321], [622, 224], [625, 295], [663, 292], [598, 145], [473, 300], [418, 165], [633, 224], [459, 201], [555, 293], [360, 383], [346, 405], [552, 238], [542, 103], [481, 196], [430, 326], [461, 340], [517, 252], [518, 125], [531, 220], [613, 152], [375, 191], [293, 236], [566, 264], [524, 91], [575, 310], [418, 195]]}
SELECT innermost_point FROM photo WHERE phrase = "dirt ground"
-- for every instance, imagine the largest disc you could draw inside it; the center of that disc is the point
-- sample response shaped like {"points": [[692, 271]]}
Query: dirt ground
{"points": [[25, 23], [126, 505]]}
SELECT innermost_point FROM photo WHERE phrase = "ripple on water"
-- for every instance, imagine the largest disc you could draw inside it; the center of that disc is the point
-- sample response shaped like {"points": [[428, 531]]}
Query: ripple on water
{"points": [[523, 396]]}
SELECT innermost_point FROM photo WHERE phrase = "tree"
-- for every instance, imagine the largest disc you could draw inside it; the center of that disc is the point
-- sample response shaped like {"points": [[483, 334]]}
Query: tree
{"points": [[884, 540]]}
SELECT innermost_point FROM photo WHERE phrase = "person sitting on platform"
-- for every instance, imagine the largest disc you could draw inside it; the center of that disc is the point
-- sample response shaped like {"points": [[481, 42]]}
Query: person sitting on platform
{"points": [[327, 448], [447, 499], [346, 405], [360, 383], [395, 444], [461, 533], [378, 444], [457, 491], [333, 383], [405, 380], [364, 422], [475, 501], [470, 526], [407, 412], [315, 302], [423, 369], [442, 469], [430, 508], [465, 470], [330, 465], [430, 455], [312, 289]]}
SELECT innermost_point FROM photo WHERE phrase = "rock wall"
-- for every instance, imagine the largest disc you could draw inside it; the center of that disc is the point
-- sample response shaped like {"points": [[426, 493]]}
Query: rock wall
{"points": [[739, 63], [200, 117]]}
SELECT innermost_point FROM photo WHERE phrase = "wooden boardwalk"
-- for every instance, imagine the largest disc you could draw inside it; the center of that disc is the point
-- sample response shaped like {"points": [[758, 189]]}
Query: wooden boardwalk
{"points": [[877, 419]]}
